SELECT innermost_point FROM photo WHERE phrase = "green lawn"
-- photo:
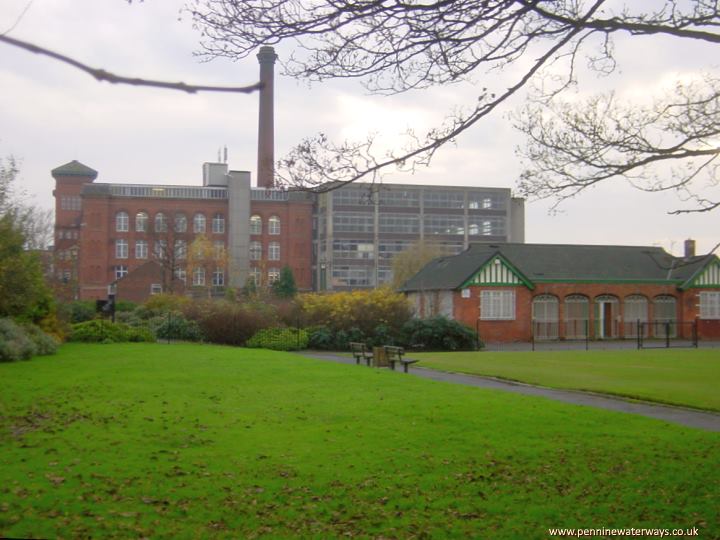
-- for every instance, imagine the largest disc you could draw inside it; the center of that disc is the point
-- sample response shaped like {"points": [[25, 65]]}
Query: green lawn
{"points": [[192, 441], [689, 377]]}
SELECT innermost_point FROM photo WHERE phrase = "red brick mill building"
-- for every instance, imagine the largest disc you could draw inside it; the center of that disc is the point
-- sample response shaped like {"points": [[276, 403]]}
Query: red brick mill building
{"points": [[140, 236], [520, 292]]}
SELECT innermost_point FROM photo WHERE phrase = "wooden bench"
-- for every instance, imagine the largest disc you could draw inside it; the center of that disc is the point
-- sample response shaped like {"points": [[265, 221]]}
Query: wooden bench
{"points": [[395, 354], [361, 352]]}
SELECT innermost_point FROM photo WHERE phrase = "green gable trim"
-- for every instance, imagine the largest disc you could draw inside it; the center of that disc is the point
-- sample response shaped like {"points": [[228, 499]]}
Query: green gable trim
{"points": [[708, 276], [506, 267], [617, 281]]}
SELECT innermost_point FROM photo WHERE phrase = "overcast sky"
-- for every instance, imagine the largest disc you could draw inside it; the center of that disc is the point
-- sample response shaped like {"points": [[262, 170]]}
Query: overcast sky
{"points": [[51, 113]]}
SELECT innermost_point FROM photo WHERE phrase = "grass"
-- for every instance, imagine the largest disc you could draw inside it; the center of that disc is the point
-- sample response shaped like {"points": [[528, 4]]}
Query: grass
{"points": [[689, 377], [191, 441]]}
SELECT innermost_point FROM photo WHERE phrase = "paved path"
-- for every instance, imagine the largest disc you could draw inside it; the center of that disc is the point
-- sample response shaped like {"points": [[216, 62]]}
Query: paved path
{"points": [[677, 415]]}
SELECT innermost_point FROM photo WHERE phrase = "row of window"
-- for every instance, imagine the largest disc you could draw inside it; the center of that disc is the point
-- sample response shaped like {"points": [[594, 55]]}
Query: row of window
{"points": [[410, 198], [500, 305], [256, 251], [199, 222], [161, 222], [256, 225], [198, 276], [180, 249], [67, 234], [440, 224]]}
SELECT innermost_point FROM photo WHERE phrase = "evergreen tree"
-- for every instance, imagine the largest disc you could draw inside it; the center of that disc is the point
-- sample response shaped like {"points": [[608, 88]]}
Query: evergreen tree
{"points": [[285, 286]]}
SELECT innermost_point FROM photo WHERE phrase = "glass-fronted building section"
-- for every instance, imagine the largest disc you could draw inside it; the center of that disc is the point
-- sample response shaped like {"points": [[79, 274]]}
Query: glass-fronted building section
{"points": [[360, 228]]}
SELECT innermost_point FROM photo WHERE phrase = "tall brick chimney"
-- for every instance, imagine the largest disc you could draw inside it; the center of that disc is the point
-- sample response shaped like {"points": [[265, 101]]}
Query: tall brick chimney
{"points": [[689, 248], [266, 136]]}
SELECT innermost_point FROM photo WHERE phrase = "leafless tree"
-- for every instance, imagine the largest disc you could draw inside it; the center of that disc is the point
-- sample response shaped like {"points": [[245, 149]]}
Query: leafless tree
{"points": [[396, 46]]}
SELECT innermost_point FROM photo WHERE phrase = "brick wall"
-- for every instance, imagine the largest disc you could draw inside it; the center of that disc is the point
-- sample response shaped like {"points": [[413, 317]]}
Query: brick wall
{"points": [[467, 310]]}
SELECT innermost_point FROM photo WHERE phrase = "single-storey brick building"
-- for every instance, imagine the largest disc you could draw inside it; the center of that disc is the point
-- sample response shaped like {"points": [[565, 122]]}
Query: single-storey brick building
{"points": [[517, 292]]}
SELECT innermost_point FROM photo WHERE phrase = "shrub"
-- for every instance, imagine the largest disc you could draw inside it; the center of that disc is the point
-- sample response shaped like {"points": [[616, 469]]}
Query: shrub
{"points": [[165, 303], [321, 338], [280, 339], [439, 333], [230, 323], [14, 342], [44, 343], [363, 310], [175, 326], [101, 331], [82, 311]]}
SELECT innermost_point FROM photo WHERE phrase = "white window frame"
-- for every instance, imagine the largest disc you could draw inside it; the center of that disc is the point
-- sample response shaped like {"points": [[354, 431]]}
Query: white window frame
{"points": [[255, 224], [255, 250], [141, 221], [141, 249], [273, 275], [218, 277], [121, 249], [218, 224], [198, 277], [199, 223], [160, 223], [497, 305], [156, 288], [121, 270], [122, 222], [180, 223], [274, 251], [274, 225], [709, 308]]}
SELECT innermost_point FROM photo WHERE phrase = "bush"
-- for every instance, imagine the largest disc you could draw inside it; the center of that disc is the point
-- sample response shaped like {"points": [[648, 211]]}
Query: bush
{"points": [[44, 343], [280, 339], [360, 311], [175, 326], [230, 323], [440, 334], [82, 311], [321, 338], [102, 331], [14, 342], [165, 303]]}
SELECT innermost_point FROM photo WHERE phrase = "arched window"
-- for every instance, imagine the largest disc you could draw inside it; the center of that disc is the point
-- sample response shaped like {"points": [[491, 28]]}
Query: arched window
{"points": [[274, 225], [665, 316], [180, 223], [545, 314], [218, 224], [141, 221], [199, 223], [635, 315], [577, 312], [122, 222], [274, 251], [255, 224], [255, 251], [161, 224], [607, 316]]}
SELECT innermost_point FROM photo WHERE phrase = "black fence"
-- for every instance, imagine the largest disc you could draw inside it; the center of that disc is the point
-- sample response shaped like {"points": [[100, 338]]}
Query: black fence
{"points": [[667, 334]]}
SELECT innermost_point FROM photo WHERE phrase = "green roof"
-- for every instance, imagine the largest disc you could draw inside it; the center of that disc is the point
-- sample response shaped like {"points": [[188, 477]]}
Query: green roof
{"points": [[74, 168], [562, 263]]}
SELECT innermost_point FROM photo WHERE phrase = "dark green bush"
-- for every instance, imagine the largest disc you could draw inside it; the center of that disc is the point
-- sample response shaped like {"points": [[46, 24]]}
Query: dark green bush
{"points": [[14, 342], [438, 333], [321, 338], [81, 311], [102, 331], [175, 326], [280, 339]]}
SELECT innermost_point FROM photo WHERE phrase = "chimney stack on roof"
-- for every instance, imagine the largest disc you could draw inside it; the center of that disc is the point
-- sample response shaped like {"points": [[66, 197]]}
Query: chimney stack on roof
{"points": [[266, 123], [689, 248]]}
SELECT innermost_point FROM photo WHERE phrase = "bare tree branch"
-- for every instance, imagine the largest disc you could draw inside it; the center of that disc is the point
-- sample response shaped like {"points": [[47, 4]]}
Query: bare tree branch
{"points": [[103, 75]]}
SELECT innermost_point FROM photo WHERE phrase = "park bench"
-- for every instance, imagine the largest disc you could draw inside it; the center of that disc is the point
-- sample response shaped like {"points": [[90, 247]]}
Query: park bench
{"points": [[361, 352], [395, 354]]}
